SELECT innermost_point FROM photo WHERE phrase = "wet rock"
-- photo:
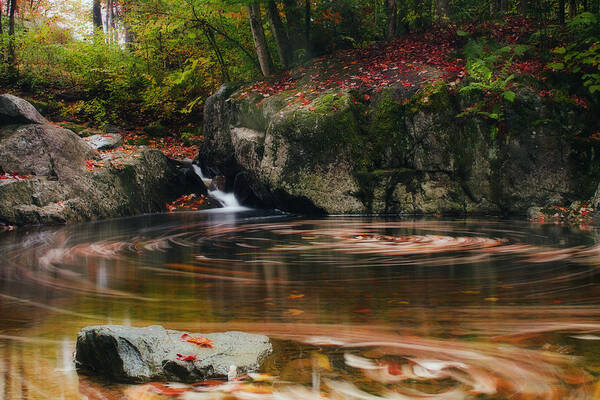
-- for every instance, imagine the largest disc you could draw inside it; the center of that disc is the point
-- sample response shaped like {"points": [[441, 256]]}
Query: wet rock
{"points": [[413, 159], [105, 142], [14, 110], [128, 354], [60, 178], [218, 183]]}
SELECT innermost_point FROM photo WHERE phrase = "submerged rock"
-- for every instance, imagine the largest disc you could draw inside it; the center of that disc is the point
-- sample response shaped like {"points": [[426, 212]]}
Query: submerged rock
{"points": [[128, 354]]}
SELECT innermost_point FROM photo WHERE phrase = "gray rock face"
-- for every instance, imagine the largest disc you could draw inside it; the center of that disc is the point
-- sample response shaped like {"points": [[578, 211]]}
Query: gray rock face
{"points": [[339, 155], [14, 110], [67, 181], [42, 150], [128, 354], [104, 142]]}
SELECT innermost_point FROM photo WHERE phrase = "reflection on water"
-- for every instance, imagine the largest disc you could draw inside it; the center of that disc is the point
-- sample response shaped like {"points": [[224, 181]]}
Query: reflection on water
{"points": [[360, 308]]}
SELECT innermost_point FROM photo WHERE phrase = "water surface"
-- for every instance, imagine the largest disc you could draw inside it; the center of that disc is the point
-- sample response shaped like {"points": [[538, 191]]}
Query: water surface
{"points": [[359, 308]]}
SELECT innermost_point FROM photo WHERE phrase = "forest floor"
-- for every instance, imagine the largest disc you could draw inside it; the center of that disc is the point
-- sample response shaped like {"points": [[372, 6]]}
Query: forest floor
{"points": [[412, 60]]}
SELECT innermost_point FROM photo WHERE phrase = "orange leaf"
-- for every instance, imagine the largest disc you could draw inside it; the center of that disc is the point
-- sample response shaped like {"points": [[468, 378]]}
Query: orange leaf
{"points": [[200, 340]]}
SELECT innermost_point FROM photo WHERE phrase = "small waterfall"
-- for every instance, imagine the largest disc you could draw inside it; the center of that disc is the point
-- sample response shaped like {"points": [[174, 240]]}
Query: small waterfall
{"points": [[227, 200], [198, 171]]}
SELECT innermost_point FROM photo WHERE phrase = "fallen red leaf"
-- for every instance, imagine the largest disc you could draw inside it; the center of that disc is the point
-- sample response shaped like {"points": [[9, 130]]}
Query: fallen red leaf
{"points": [[181, 357]]}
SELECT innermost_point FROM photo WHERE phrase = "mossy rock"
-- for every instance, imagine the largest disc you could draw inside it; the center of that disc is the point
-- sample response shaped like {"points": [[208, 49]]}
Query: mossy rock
{"points": [[77, 128], [156, 129]]}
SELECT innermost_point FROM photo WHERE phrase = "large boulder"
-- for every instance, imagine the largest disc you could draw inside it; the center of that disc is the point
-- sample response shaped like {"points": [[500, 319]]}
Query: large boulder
{"points": [[106, 141], [395, 151], [51, 175], [14, 110], [42, 150], [128, 354]]}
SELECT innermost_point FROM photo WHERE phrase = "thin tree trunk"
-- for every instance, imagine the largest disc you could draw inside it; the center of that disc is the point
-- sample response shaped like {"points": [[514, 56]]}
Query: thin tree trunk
{"points": [[523, 7], [107, 19], [561, 11], [213, 43], [293, 18], [442, 9], [307, 19], [281, 38], [392, 27], [113, 21], [258, 34], [97, 14], [503, 6], [572, 8], [11, 34]]}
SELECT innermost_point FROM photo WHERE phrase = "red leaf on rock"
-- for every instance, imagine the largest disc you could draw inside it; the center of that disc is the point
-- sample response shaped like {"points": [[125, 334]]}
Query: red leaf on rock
{"points": [[200, 340], [181, 357]]}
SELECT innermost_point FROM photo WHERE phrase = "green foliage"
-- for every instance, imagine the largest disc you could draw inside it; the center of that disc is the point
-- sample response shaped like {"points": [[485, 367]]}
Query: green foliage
{"points": [[581, 54], [487, 67]]}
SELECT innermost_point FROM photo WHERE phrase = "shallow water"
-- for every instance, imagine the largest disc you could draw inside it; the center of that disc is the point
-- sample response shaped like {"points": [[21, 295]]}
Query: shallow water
{"points": [[359, 308]]}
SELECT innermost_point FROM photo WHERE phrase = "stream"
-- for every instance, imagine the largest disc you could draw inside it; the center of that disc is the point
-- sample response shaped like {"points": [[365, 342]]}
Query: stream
{"points": [[357, 307]]}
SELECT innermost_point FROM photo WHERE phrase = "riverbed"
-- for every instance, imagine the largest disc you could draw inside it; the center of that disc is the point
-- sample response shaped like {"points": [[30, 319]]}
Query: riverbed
{"points": [[357, 307]]}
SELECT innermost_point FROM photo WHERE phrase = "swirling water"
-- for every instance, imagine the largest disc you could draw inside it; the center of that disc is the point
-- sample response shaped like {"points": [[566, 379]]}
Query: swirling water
{"points": [[358, 308]]}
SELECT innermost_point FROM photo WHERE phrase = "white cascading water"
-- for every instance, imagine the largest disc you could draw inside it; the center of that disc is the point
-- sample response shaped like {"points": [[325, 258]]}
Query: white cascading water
{"points": [[227, 200]]}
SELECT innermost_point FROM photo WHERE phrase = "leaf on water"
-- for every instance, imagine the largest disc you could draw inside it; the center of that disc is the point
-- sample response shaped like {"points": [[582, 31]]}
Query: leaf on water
{"points": [[294, 311]]}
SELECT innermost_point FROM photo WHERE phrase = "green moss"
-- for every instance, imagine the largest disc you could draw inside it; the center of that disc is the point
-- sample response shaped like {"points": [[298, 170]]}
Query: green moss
{"points": [[74, 127], [156, 128], [323, 132]]}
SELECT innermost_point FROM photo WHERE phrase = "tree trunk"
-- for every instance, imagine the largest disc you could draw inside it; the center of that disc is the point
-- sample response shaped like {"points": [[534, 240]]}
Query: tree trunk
{"points": [[97, 14], [572, 8], [114, 15], [561, 11], [492, 8], [11, 34], [213, 43], [392, 12], [523, 7], [281, 38], [293, 18], [307, 19], [260, 43], [441, 9], [503, 6]]}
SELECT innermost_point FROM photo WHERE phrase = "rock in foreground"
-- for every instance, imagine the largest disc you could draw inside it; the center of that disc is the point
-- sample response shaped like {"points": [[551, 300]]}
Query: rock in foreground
{"points": [[128, 354]]}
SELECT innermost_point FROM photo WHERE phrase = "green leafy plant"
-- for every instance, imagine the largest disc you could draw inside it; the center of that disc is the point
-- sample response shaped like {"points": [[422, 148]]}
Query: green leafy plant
{"points": [[581, 56], [489, 75]]}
